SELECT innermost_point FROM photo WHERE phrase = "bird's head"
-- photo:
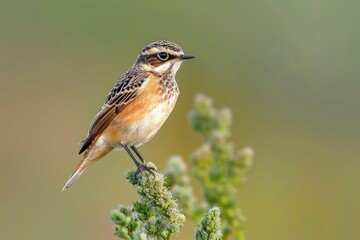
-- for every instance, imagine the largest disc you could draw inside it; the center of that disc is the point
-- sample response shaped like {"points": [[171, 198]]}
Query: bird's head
{"points": [[162, 56]]}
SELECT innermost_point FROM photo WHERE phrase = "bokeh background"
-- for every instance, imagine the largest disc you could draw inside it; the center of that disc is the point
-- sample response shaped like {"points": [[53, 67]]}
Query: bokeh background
{"points": [[289, 70]]}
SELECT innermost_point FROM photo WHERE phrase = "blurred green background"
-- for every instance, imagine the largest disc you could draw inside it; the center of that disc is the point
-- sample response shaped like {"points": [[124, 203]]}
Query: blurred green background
{"points": [[288, 69]]}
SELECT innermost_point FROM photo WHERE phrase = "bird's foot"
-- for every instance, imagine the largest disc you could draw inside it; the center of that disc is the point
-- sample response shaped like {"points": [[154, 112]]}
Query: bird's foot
{"points": [[144, 167]]}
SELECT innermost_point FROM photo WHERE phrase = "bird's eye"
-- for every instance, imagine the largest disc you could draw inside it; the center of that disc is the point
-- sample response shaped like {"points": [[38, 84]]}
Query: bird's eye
{"points": [[163, 56]]}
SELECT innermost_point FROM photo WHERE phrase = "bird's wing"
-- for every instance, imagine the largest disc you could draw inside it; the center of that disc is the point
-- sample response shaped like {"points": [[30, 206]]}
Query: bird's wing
{"points": [[125, 90]]}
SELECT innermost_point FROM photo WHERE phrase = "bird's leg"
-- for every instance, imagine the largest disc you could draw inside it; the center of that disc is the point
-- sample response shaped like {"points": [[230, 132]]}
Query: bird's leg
{"points": [[140, 167], [137, 153], [144, 167], [131, 155]]}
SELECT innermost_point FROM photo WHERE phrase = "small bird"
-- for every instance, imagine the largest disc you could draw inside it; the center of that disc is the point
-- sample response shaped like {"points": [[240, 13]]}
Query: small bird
{"points": [[136, 107]]}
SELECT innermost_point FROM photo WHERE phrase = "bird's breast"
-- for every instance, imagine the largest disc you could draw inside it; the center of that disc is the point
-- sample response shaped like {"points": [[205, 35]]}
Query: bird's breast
{"points": [[142, 118]]}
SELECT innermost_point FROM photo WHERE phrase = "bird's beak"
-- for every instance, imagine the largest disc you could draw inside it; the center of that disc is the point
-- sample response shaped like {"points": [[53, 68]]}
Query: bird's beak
{"points": [[186, 56]]}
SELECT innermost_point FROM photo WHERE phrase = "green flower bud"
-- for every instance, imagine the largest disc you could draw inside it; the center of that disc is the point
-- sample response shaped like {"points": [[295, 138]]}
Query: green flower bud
{"points": [[210, 226]]}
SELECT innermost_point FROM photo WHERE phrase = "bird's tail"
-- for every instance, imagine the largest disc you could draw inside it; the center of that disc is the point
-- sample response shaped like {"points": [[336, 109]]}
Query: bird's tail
{"points": [[75, 176], [92, 154]]}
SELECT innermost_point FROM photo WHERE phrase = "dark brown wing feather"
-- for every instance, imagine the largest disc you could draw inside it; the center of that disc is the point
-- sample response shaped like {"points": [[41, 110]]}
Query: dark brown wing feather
{"points": [[121, 94]]}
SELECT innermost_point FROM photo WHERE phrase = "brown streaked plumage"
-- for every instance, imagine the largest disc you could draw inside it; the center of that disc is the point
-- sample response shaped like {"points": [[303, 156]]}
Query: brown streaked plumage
{"points": [[136, 107]]}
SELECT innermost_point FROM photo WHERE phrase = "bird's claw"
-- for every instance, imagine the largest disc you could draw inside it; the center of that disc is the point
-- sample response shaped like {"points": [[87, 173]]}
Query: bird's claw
{"points": [[143, 167]]}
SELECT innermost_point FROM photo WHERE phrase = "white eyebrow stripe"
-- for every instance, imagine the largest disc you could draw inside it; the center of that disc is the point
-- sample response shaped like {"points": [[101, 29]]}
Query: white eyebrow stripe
{"points": [[152, 51]]}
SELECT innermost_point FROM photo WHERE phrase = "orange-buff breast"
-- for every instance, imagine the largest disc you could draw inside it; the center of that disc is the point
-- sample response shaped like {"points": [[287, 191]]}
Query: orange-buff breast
{"points": [[141, 119]]}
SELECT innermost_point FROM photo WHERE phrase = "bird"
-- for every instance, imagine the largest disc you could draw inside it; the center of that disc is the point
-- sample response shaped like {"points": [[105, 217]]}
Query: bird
{"points": [[135, 108]]}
